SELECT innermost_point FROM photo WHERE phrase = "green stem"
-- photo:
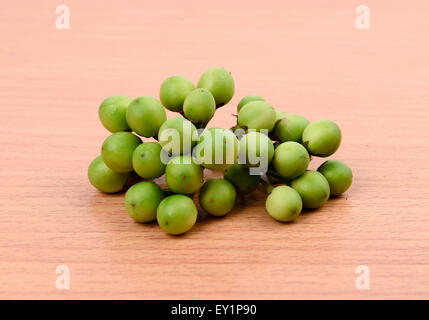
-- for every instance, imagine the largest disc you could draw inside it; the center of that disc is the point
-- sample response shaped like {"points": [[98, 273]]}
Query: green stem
{"points": [[269, 187], [274, 174], [167, 192], [200, 125], [269, 178]]}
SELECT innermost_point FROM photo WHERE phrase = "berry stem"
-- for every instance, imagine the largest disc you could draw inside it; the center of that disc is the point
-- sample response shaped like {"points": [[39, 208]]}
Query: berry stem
{"points": [[268, 187], [167, 192], [274, 174], [200, 125]]}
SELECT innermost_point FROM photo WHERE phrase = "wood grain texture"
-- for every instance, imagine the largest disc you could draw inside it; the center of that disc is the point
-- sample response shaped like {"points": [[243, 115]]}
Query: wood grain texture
{"points": [[305, 57]]}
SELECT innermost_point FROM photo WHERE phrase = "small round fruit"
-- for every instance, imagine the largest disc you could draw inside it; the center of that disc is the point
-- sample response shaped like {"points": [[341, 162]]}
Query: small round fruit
{"points": [[147, 160], [112, 113], [290, 128], [313, 189], [177, 214], [290, 159], [248, 99], [322, 138], [173, 92], [256, 149], [257, 115], [117, 151], [177, 136], [217, 197], [145, 115], [220, 83], [338, 174], [105, 179], [142, 200], [284, 204], [183, 175], [199, 106], [240, 177], [217, 149]]}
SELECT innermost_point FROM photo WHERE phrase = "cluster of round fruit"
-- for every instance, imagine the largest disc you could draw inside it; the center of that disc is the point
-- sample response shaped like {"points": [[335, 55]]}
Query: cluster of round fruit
{"points": [[267, 146]]}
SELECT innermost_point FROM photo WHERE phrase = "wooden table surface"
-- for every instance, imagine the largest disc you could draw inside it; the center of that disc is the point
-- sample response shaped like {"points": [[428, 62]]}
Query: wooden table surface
{"points": [[305, 57]]}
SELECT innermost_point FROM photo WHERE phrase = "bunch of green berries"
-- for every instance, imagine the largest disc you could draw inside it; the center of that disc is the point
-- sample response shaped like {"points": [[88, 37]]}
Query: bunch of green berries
{"points": [[266, 147]]}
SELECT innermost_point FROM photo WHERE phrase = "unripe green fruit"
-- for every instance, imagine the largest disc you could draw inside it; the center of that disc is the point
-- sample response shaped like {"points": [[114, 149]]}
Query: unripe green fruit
{"points": [[117, 151], [217, 149], [147, 160], [199, 106], [284, 204], [290, 128], [240, 177], [105, 179], [313, 189], [183, 175], [217, 197], [338, 174], [322, 138], [145, 115], [177, 214], [220, 83], [142, 200], [177, 136], [173, 92], [248, 99], [112, 113], [256, 149], [257, 115], [290, 159]]}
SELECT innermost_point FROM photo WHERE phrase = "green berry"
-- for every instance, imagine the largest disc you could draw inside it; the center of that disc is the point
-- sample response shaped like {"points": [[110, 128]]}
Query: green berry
{"points": [[177, 214], [183, 175], [173, 92], [145, 115], [105, 179], [199, 106], [217, 149], [257, 115], [290, 159], [220, 83], [142, 200], [290, 128], [284, 204], [240, 177], [112, 113], [338, 174], [147, 161], [313, 189], [322, 138], [217, 197], [248, 99], [256, 149], [117, 151], [177, 136]]}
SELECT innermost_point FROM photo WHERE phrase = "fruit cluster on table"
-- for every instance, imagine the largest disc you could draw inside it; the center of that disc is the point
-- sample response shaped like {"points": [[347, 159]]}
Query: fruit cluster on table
{"points": [[285, 144]]}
